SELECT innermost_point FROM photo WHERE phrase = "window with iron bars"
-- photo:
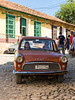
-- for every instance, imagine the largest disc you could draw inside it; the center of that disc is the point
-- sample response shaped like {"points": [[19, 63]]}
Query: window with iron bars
{"points": [[37, 28], [10, 26]]}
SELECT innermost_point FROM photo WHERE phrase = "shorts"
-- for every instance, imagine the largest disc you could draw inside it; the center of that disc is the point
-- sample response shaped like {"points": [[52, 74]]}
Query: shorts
{"points": [[72, 49]]}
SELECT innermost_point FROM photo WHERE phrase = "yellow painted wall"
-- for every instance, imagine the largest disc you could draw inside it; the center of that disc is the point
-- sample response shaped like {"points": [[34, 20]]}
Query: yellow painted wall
{"points": [[2, 25], [16, 27], [57, 31], [32, 28], [43, 30], [48, 32]]}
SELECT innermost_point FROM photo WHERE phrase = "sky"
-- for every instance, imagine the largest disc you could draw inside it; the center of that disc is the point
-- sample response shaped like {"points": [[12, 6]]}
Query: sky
{"points": [[46, 6]]}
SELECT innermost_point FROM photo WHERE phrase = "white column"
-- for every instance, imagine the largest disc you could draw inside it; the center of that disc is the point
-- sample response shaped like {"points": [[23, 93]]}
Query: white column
{"points": [[50, 32], [19, 26], [29, 27], [5, 26], [45, 30], [0, 26], [64, 32], [57, 31]]}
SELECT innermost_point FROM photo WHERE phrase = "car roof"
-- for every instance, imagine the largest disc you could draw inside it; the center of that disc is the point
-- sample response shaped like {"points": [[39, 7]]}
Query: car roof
{"points": [[32, 37]]}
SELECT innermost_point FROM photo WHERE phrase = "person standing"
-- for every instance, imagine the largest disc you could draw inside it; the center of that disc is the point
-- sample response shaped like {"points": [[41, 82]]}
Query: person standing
{"points": [[61, 42], [71, 37], [67, 43], [72, 48]]}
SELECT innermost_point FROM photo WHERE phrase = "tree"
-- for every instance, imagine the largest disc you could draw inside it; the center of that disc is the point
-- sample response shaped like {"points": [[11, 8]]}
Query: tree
{"points": [[67, 12]]}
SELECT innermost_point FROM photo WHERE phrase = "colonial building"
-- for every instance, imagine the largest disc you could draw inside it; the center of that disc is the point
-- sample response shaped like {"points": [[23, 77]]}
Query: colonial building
{"points": [[17, 20]]}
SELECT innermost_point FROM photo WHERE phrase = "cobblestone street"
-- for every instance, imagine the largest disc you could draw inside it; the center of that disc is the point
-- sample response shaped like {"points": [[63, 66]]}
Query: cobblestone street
{"points": [[35, 89]]}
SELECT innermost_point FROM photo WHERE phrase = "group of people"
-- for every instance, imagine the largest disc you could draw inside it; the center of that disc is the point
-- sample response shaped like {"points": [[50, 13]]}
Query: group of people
{"points": [[68, 43], [27, 46]]}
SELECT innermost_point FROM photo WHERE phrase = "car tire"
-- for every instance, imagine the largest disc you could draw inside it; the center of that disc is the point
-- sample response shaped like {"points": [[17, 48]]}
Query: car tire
{"points": [[60, 78], [5, 52], [18, 79]]}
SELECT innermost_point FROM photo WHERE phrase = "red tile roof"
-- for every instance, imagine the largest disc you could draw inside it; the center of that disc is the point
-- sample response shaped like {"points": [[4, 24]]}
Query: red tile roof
{"points": [[21, 8]]}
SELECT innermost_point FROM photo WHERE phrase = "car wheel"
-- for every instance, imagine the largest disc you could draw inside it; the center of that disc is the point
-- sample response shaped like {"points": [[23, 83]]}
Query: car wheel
{"points": [[60, 78], [18, 79], [5, 52]]}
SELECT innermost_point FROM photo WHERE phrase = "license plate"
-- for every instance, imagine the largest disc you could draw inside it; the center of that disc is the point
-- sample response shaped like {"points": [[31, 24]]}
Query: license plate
{"points": [[41, 66], [11, 49]]}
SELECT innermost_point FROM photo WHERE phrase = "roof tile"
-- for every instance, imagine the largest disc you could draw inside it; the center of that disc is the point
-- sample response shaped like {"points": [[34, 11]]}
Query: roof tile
{"points": [[18, 7]]}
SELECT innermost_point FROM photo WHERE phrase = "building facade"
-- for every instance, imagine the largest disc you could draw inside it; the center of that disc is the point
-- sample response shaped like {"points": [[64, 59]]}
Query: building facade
{"points": [[17, 20]]}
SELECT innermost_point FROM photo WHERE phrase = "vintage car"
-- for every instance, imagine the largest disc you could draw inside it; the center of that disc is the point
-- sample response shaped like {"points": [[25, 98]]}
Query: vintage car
{"points": [[39, 56], [13, 48]]}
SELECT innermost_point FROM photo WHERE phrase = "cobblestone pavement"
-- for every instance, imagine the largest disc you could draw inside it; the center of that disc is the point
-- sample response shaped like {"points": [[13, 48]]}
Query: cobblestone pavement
{"points": [[35, 89]]}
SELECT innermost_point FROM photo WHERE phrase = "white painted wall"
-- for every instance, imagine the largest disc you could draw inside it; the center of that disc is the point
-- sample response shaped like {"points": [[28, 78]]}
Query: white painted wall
{"points": [[57, 31], [3, 27], [64, 31], [29, 26], [32, 28], [18, 26], [48, 31]]}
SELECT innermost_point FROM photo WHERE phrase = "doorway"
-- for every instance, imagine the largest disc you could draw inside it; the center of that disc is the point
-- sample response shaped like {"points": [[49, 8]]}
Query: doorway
{"points": [[23, 26]]}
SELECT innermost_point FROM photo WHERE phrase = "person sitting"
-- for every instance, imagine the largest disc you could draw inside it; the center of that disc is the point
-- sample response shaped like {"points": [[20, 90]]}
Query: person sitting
{"points": [[27, 46], [46, 46]]}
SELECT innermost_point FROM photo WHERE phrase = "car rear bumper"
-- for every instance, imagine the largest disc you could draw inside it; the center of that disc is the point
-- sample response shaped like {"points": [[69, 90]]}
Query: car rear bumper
{"points": [[41, 73], [11, 51]]}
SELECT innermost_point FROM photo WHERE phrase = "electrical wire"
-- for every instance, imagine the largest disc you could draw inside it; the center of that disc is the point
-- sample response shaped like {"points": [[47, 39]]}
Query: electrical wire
{"points": [[47, 7], [51, 6]]}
